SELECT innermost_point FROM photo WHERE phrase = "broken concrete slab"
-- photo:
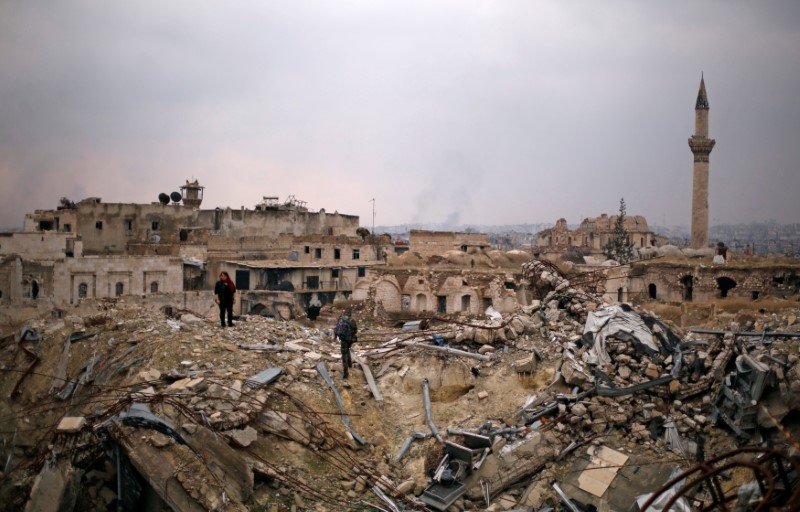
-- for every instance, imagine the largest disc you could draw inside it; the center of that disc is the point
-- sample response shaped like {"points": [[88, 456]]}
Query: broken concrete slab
{"points": [[71, 424], [55, 488], [264, 377]]}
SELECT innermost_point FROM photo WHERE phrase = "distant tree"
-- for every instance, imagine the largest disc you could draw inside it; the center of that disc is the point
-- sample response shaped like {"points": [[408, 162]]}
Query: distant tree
{"points": [[619, 246]]}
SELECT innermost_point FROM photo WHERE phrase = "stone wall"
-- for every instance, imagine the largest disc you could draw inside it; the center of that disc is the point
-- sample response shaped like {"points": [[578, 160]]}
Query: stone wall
{"points": [[110, 227], [696, 282], [422, 291], [436, 243], [42, 245]]}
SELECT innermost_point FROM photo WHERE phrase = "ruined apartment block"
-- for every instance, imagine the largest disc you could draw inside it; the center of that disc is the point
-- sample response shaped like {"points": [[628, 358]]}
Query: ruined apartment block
{"points": [[173, 248]]}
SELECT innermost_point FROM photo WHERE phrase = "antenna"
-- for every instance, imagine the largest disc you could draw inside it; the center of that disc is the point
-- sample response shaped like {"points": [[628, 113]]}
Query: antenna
{"points": [[373, 214]]}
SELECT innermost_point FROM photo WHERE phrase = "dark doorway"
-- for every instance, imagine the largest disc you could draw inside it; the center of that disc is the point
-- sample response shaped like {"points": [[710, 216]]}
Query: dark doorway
{"points": [[312, 282], [34, 290], [441, 303], [651, 290], [620, 294], [242, 279], [725, 284], [688, 287]]}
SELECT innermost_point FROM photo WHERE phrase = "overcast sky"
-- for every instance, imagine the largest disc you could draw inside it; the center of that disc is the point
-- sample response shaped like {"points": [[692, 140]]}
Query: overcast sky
{"points": [[482, 112]]}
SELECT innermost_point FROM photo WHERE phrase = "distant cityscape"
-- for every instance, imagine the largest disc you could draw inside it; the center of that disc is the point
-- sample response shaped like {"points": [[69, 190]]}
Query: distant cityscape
{"points": [[759, 238]]}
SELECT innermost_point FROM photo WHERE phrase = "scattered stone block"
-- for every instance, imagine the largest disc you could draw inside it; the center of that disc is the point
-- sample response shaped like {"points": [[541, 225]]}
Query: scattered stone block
{"points": [[71, 424]]}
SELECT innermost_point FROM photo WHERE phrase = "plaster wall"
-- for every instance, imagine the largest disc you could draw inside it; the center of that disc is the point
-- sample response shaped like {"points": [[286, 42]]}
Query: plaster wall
{"points": [[41, 245]]}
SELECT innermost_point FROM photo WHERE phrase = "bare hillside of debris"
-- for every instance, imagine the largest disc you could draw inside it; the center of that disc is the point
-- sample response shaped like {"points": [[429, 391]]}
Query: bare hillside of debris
{"points": [[129, 409]]}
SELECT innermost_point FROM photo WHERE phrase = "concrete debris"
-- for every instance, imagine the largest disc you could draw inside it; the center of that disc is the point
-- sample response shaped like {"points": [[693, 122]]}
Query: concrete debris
{"points": [[604, 399]]}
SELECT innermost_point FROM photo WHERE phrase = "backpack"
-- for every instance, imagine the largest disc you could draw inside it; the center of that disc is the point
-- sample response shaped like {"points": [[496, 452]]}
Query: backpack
{"points": [[343, 329]]}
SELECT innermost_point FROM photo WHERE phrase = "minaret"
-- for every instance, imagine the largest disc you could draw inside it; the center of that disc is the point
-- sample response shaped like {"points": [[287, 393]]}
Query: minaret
{"points": [[701, 147]]}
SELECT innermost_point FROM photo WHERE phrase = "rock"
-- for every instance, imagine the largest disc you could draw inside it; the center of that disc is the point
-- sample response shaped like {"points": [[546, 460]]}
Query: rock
{"points": [[159, 440], [483, 395], [486, 349], [571, 375], [624, 372], [506, 501], [71, 424], [244, 437], [236, 390], [674, 386], [579, 410], [552, 316], [406, 487]]}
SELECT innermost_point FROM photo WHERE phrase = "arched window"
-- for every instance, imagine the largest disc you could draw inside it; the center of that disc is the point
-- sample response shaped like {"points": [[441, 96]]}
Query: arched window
{"points": [[154, 287], [119, 288], [83, 290], [651, 290], [725, 284]]}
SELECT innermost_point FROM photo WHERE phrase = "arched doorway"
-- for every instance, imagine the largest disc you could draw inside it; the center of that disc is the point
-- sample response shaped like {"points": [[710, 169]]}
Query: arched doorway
{"points": [[688, 287], [259, 309], [620, 294], [725, 284], [651, 290], [34, 290], [465, 302], [422, 302]]}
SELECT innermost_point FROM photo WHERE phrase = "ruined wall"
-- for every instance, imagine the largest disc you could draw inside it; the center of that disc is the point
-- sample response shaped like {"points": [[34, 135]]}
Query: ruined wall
{"points": [[424, 291], [42, 245], [98, 277], [332, 250], [110, 227], [432, 243], [594, 233], [676, 283]]}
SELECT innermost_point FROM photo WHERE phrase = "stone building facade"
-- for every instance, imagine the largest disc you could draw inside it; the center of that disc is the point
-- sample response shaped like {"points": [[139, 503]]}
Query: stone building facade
{"points": [[436, 243], [593, 235], [679, 282], [443, 292], [94, 250]]}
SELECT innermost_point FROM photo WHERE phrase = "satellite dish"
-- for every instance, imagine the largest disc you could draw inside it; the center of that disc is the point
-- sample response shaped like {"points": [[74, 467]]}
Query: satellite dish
{"points": [[176, 197], [163, 198]]}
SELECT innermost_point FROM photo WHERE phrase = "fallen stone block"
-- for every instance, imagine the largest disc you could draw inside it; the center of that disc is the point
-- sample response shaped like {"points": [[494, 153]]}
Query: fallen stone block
{"points": [[71, 424]]}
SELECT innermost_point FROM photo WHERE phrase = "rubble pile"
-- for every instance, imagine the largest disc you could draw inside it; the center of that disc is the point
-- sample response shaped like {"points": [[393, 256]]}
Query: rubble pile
{"points": [[128, 406]]}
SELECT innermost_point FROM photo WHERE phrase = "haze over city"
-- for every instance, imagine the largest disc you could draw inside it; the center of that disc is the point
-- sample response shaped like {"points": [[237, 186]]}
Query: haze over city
{"points": [[458, 112]]}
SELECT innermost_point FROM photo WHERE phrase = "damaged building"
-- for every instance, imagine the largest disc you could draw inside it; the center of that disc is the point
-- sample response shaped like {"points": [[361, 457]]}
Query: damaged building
{"points": [[169, 253], [592, 236]]}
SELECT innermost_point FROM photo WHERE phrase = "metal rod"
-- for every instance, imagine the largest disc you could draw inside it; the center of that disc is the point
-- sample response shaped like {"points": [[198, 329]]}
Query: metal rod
{"points": [[564, 498], [449, 350], [428, 415], [769, 334]]}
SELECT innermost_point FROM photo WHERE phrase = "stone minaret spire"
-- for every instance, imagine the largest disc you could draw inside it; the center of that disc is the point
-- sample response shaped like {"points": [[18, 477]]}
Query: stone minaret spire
{"points": [[701, 147]]}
